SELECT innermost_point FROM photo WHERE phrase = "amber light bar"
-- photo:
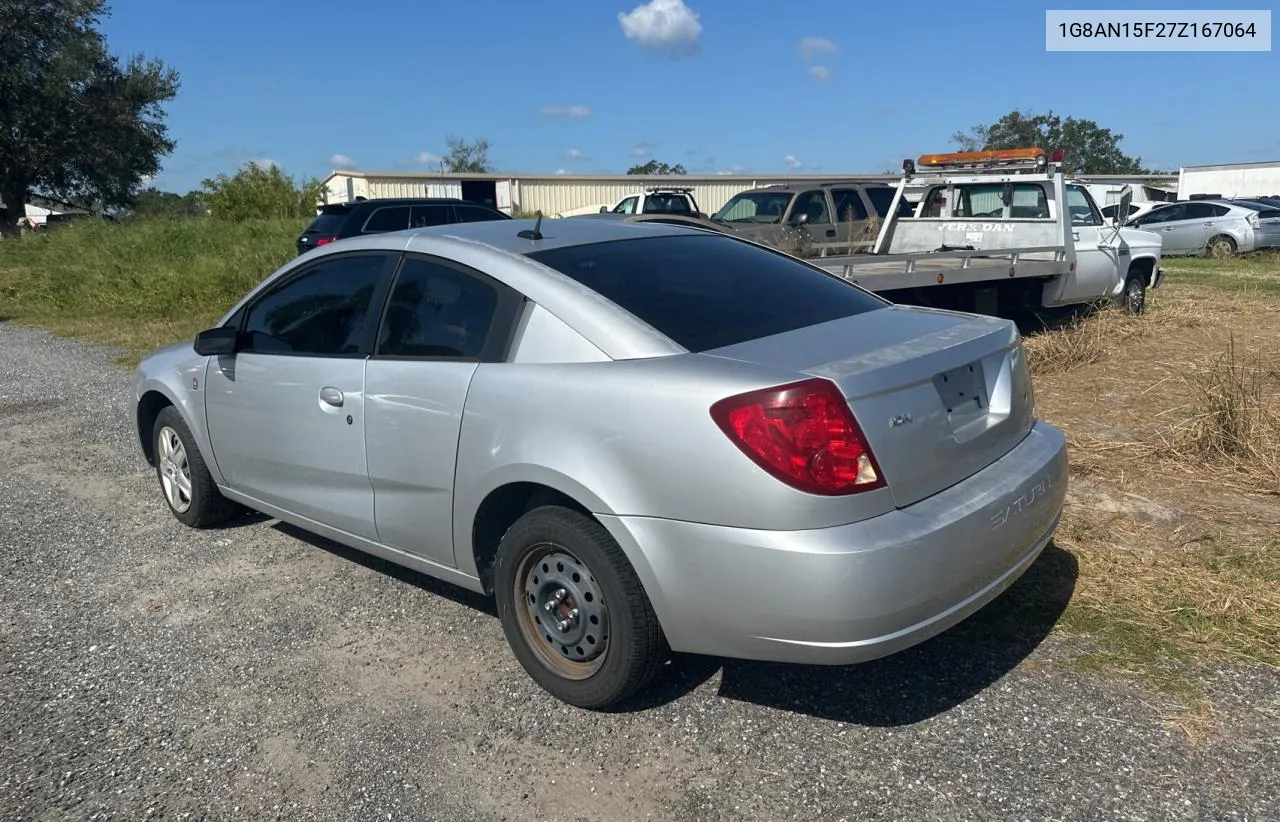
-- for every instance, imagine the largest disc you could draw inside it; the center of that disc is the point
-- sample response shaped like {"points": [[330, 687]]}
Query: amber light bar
{"points": [[992, 156]]}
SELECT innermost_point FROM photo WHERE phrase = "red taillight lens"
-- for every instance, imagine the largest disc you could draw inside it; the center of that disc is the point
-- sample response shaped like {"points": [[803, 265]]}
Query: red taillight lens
{"points": [[324, 241], [804, 434]]}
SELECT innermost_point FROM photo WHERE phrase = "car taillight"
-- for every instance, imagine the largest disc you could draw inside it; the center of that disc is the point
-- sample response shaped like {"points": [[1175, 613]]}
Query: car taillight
{"points": [[324, 241], [1255, 221], [804, 434]]}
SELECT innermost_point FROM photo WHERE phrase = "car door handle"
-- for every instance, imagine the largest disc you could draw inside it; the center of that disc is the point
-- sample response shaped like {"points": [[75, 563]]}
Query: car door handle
{"points": [[831, 232], [331, 396]]}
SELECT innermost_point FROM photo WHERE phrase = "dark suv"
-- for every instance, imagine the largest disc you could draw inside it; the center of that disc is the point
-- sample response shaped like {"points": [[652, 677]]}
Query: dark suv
{"points": [[338, 220], [798, 215]]}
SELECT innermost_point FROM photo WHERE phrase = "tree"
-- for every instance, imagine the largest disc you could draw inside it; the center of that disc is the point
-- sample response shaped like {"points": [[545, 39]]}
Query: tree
{"points": [[75, 122], [257, 193], [152, 203], [1085, 143], [654, 167], [464, 157]]}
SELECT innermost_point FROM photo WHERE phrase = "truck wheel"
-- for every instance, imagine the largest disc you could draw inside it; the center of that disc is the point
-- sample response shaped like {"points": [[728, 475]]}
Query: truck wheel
{"points": [[573, 609], [1222, 246], [1134, 298]]}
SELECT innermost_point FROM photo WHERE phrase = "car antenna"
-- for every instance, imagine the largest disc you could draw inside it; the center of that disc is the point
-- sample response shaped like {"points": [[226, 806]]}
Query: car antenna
{"points": [[536, 232]]}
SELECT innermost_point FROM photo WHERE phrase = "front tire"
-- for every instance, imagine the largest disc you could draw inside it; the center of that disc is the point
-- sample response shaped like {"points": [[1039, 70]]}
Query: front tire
{"points": [[574, 611], [1134, 297], [185, 482]]}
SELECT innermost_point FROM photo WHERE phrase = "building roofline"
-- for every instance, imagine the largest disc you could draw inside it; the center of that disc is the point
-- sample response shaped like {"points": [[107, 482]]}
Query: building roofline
{"points": [[671, 179], [1231, 166]]}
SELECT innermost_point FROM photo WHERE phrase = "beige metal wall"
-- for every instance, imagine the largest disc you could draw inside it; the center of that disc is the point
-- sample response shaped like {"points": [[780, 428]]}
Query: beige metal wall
{"points": [[554, 197]]}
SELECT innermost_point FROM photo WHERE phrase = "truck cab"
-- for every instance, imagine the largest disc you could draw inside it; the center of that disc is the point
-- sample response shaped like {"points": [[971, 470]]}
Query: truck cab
{"points": [[1000, 227], [658, 200]]}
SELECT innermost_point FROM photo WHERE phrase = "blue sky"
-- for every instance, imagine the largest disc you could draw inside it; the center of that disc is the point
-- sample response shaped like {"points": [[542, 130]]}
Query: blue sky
{"points": [[717, 85]]}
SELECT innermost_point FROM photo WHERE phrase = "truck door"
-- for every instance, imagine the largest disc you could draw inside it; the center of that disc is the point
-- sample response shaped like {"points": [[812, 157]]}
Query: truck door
{"points": [[1099, 251]]}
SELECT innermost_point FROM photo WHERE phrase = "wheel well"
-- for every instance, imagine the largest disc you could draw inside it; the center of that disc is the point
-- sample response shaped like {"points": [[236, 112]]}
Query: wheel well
{"points": [[149, 407], [1147, 266], [500, 510]]}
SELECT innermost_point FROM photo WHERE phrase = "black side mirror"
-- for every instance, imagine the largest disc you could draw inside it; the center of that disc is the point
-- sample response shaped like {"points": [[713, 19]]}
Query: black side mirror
{"points": [[216, 342], [1006, 194]]}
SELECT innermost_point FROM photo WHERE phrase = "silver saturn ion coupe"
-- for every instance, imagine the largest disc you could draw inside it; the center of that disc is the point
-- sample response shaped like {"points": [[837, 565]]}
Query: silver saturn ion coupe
{"points": [[640, 438]]}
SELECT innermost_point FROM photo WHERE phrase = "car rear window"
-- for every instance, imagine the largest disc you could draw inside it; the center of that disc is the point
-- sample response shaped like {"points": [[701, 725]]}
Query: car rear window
{"points": [[327, 222], [706, 292]]}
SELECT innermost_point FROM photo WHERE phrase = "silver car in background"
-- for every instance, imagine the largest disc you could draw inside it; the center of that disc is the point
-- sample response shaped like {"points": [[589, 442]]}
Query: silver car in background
{"points": [[1214, 227], [1265, 223], [638, 437]]}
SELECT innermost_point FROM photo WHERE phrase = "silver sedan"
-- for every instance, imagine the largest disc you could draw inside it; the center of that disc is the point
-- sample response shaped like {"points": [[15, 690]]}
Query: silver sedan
{"points": [[639, 438]]}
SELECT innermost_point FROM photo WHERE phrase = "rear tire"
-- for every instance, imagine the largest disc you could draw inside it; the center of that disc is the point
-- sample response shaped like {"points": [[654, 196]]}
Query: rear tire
{"points": [[1221, 246], [185, 482], [574, 611]]}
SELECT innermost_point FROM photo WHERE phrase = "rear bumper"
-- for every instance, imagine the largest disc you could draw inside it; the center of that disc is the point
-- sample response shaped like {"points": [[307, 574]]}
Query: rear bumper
{"points": [[854, 592]]}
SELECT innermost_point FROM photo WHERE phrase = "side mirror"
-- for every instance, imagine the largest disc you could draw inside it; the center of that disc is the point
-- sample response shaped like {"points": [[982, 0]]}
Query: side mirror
{"points": [[1126, 198], [216, 342], [1006, 194], [801, 218]]}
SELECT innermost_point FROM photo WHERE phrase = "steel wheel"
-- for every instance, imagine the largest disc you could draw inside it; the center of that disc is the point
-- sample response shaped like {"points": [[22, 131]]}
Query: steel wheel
{"points": [[175, 469], [564, 617], [1135, 295]]}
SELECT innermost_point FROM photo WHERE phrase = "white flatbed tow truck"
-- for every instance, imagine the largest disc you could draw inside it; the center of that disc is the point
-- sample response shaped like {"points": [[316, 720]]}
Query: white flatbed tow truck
{"points": [[997, 230]]}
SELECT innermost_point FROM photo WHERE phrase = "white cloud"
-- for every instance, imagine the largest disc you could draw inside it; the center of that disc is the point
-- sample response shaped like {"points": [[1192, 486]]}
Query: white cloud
{"points": [[426, 158], [821, 73], [667, 28], [643, 149], [792, 162], [576, 155], [561, 171], [572, 112], [342, 161], [264, 163], [811, 47]]}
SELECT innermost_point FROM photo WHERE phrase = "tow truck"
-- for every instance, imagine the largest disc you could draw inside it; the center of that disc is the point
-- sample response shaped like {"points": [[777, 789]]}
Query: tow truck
{"points": [[1000, 230]]}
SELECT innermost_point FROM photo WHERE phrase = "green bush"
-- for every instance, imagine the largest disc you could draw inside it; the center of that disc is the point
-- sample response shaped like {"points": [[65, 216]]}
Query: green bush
{"points": [[257, 193]]}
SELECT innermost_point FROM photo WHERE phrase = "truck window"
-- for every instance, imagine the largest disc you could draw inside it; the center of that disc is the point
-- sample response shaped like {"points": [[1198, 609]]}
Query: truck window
{"points": [[849, 206], [882, 198], [627, 206], [813, 203], [754, 207], [1081, 207]]}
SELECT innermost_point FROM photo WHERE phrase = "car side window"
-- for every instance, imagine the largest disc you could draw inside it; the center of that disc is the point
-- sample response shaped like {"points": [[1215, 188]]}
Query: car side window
{"points": [[813, 203], [425, 216], [882, 199], [1162, 215], [322, 312], [849, 205], [627, 206], [474, 214], [436, 311], [1200, 211], [393, 218]]}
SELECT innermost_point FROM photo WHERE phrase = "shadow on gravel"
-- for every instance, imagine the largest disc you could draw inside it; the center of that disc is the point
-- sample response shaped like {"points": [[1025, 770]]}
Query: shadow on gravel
{"points": [[908, 687], [929, 679], [431, 585]]}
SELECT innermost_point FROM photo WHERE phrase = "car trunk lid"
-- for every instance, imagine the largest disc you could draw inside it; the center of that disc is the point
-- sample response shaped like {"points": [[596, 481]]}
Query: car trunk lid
{"points": [[939, 395]]}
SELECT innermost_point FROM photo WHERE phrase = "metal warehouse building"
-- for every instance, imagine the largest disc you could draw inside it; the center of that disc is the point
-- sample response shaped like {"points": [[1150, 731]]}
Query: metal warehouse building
{"points": [[553, 194], [566, 194]]}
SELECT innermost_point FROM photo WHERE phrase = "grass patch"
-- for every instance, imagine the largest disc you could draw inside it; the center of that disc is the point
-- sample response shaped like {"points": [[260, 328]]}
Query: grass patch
{"points": [[1251, 274], [139, 284]]}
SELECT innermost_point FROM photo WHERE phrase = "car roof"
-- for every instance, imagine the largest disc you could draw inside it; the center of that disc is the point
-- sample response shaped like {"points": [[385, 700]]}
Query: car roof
{"points": [[393, 201], [799, 187], [504, 235]]}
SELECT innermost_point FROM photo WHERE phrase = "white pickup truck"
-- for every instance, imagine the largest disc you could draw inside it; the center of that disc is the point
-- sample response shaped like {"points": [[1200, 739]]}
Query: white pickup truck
{"points": [[658, 200], [998, 230]]}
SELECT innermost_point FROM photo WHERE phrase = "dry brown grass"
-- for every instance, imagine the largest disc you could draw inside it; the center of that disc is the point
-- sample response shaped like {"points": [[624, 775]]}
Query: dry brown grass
{"points": [[1233, 421]]}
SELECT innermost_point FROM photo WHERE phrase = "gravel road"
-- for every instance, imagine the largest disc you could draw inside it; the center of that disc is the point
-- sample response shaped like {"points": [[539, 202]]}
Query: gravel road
{"points": [[148, 671]]}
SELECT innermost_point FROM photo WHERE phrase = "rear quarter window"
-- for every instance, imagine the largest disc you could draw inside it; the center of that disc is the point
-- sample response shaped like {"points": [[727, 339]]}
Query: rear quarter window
{"points": [[707, 292], [327, 223]]}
